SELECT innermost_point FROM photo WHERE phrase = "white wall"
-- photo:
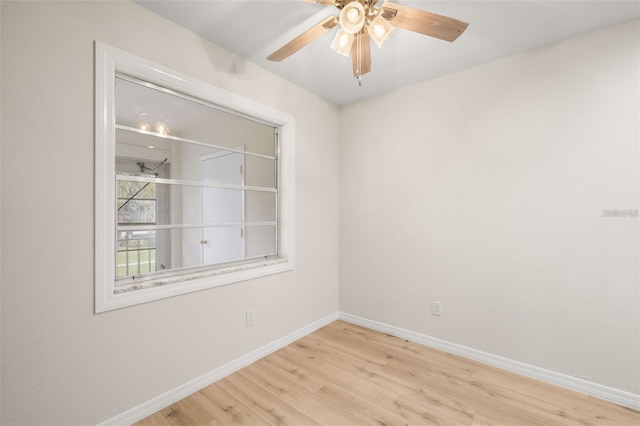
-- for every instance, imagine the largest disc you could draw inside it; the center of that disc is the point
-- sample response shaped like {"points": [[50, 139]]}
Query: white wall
{"points": [[484, 190], [61, 363]]}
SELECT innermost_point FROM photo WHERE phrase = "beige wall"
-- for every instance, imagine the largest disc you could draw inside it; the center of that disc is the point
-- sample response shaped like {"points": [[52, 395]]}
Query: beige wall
{"points": [[61, 363], [484, 190]]}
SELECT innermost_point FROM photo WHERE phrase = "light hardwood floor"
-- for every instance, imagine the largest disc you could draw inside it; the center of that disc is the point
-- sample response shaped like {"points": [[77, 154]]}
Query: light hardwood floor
{"points": [[344, 374]]}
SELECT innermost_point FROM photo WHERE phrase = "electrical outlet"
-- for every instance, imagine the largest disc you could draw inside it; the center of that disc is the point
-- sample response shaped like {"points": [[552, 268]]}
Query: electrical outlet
{"points": [[250, 317], [435, 308]]}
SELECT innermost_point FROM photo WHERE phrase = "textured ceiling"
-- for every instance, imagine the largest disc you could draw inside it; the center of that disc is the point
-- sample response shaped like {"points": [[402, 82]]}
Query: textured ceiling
{"points": [[254, 29]]}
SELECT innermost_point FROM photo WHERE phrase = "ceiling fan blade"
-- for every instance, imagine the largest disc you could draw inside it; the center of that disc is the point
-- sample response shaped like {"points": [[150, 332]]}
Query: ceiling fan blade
{"points": [[303, 39], [361, 54], [423, 22]]}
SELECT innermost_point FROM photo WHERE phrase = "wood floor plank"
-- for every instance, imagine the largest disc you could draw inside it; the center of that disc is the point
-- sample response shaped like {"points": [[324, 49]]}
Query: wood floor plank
{"points": [[379, 395], [431, 387], [527, 385], [564, 402], [610, 412], [311, 403], [397, 352], [337, 355], [402, 384], [225, 408], [345, 374], [419, 353], [321, 408], [264, 403], [188, 412], [295, 372], [482, 420], [488, 397], [508, 415], [340, 359], [367, 411], [156, 419], [359, 347], [432, 413], [262, 376]]}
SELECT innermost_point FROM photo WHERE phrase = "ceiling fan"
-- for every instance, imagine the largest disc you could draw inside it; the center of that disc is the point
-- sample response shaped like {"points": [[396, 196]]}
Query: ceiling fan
{"points": [[360, 20]]}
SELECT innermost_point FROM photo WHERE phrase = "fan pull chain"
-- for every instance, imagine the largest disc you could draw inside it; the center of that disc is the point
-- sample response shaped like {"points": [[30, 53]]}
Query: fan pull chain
{"points": [[359, 59]]}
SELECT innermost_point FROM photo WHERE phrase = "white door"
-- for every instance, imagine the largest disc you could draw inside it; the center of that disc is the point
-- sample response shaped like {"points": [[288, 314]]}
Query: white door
{"points": [[222, 243]]}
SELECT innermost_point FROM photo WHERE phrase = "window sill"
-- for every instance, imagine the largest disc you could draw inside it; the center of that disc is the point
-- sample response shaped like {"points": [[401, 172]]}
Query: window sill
{"points": [[130, 293], [151, 282]]}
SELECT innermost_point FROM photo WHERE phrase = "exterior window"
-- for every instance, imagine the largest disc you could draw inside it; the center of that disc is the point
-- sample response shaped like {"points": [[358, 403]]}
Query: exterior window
{"points": [[140, 204], [194, 185]]}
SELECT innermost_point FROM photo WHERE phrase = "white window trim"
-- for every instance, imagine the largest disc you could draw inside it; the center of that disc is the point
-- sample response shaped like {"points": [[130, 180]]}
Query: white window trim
{"points": [[108, 62]]}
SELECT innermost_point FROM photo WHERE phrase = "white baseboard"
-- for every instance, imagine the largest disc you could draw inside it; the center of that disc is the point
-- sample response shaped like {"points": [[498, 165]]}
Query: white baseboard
{"points": [[158, 403], [616, 396]]}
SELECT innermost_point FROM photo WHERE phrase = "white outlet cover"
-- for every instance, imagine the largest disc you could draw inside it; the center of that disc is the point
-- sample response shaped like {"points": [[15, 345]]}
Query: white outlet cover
{"points": [[435, 308]]}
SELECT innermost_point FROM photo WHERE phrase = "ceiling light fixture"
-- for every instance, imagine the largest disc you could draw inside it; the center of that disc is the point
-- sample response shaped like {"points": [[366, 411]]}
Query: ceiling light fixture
{"points": [[162, 128], [352, 17], [357, 20], [380, 30], [342, 43], [360, 20]]}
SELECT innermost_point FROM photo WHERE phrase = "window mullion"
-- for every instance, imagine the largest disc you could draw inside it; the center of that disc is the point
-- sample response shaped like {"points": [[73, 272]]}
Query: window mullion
{"points": [[193, 183], [192, 141]]}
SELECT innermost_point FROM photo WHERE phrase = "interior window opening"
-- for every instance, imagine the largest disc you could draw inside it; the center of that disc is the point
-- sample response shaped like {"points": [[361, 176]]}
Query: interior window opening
{"points": [[218, 204], [194, 185]]}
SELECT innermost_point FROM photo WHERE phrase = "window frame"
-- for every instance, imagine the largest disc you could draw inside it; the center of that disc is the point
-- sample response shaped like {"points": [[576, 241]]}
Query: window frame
{"points": [[108, 62]]}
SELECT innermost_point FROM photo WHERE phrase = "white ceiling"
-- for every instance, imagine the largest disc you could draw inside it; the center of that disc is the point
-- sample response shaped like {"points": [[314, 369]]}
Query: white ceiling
{"points": [[253, 29]]}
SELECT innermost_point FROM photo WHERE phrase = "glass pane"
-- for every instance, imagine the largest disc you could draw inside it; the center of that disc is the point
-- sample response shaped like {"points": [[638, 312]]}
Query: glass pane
{"points": [[136, 253], [136, 211], [260, 206], [143, 251], [222, 244], [144, 108], [222, 205], [184, 204], [139, 190], [192, 205], [260, 172], [260, 240], [187, 247]]}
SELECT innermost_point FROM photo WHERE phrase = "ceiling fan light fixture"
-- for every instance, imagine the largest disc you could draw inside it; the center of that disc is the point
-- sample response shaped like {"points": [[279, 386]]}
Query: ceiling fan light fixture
{"points": [[352, 17], [360, 20], [342, 43], [380, 30]]}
